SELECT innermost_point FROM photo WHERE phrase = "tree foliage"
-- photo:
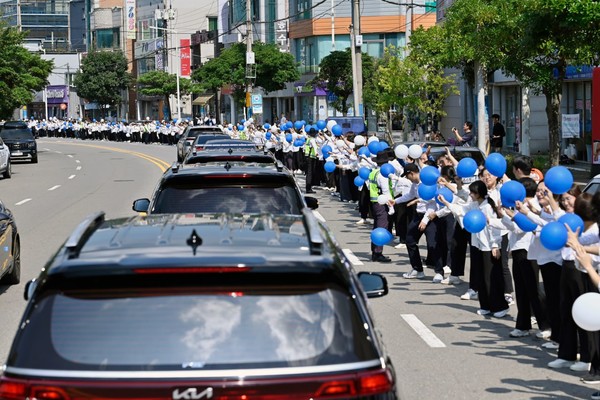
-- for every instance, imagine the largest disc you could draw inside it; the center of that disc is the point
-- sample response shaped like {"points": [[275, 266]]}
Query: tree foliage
{"points": [[102, 77], [273, 69], [21, 72], [163, 84]]}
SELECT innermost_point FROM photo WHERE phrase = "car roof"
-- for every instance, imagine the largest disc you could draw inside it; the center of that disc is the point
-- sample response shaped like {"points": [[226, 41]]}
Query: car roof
{"points": [[155, 243], [245, 154], [231, 168]]}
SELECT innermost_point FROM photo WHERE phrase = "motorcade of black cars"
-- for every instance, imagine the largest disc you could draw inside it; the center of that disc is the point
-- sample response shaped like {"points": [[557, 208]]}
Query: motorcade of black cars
{"points": [[20, 140]]}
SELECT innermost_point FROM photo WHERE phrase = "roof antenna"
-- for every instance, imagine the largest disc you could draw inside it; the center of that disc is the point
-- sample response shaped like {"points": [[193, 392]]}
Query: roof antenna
{"points": [[194, 241]]}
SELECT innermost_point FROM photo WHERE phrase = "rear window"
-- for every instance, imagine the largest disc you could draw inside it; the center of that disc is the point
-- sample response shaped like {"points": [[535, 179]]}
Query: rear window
{"points": [[202, 139], [162, 329], [228, 196], [204, 131], [15, 134], [592, 187]]}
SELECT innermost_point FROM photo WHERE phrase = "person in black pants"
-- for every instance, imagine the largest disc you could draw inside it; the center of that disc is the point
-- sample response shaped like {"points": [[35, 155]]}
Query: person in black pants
{"points": [[379, 185]]}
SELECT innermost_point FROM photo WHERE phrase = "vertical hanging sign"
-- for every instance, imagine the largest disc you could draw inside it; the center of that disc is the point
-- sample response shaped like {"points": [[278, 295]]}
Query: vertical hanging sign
{"points": [[184, 54], [130, 9]]}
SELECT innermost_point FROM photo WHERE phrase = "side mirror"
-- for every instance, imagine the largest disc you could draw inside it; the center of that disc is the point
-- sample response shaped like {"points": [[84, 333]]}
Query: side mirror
{"points": [[141, 205], [311, 202], [374, 285], [29, 289]]}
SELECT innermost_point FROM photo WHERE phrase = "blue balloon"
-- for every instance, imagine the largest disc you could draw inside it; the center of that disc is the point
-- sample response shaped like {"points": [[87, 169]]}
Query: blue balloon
{"points": [[387, 169], [364, 173], [298, 143], [429, 175], [495, 163], [326, 149], [426, 192], [381, 236], [267, 126], [474, 221], [358, 181], [268, 135], [288, 138], [446, 193], [466, 168], [336, 130], [307, 128], [524, 223], [243, 121], [374, 147], [512, 191], [240, 127], [321, 124], [554, 235], [574, 221], [298, 125], [507, 202], [383, 146], [329, 166], [558, 179], [364, 151]]}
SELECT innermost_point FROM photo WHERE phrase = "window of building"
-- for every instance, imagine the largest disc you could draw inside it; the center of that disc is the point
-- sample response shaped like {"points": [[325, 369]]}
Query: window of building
{"points": [[107, 38], [213, 23]]}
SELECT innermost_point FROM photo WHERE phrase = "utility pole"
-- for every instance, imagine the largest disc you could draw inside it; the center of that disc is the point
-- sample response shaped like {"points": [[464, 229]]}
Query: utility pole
{"points": [[408, 28], [355, 46], [250, 62], [332, 26]]}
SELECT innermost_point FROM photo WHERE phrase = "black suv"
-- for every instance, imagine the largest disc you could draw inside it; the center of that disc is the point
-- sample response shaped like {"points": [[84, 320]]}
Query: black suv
{"points": [[189, 135], [215, 306], [230, 186], [20, 140]]}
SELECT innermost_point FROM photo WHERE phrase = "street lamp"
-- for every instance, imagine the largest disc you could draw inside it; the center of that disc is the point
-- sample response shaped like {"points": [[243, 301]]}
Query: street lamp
{"points": [[171, 66]]}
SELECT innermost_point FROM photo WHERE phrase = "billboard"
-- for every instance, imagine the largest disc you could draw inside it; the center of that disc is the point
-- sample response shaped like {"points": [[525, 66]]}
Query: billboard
{"points": [[184, 56], [130, 10]]}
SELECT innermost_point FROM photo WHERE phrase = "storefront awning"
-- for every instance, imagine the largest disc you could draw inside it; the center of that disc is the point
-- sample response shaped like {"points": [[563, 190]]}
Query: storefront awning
{"points": [[202, 99]]}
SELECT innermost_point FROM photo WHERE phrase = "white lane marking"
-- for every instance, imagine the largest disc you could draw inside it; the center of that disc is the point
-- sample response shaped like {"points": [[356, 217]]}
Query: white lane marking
{"points": [[319, 216], [54, 187], [22, 202], [77, 161], [421, 330], [353, 259], [59, 152], [78, 168], [72, 176], [70, 155]]}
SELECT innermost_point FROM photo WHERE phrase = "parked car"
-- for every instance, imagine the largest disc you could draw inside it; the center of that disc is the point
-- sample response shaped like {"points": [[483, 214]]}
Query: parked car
{"points": [[10, 256], [189, 135], [593, 185], [200, 307], [20, 140], [5, 165], [230, 186]]}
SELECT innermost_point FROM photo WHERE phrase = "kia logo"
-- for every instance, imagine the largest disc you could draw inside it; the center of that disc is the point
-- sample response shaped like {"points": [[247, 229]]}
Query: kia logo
{"points": [[192, 393]]}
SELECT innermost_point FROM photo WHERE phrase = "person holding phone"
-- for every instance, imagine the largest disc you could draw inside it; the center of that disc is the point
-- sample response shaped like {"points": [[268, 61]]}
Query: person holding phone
{"points": [[466, 139]]}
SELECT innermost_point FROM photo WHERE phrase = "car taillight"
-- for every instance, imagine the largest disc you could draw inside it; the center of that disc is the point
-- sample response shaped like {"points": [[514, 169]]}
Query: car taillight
{"points": [[11, 390], [15, 390], [48, 393], [364, 384]]}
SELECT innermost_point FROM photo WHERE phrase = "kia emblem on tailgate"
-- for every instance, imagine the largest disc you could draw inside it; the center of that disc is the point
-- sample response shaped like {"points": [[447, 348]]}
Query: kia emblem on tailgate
{"points": [[192, 394]]}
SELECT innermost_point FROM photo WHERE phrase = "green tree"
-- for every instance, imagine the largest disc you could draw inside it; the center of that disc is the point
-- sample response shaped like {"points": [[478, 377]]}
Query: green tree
{"points": [[163, 84], [21, 72], [102, 77], [335, 75]]}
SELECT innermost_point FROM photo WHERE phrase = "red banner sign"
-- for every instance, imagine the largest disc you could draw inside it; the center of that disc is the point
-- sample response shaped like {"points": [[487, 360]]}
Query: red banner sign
{"points": [[184, 55]]}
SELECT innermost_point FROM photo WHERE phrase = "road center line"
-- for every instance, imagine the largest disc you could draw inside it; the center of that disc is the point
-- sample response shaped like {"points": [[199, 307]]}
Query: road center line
{"points": [[353, 259], [78, 168], [22, 202], [421, 330], [77, 161], [72, 176], [54, 187], [70, 155]]}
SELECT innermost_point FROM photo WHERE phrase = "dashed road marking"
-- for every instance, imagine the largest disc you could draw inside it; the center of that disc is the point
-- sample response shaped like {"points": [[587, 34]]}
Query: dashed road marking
{"points": [[54, 187], [353, 259], [421, 330], [77, 161], [72, 176], [78, 168], [22, 202], [70, 155]]}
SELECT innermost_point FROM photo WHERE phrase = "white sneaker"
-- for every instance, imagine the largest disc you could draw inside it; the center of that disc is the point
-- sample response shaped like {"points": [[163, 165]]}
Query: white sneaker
{"points": [[580, 366], [452, 280], [543, 334], [501, 314], [560, 363], [438, 278], [414, 274], [483, 312], [518, 333], [509, 299], [360, 221], [400, 246], [551, 345], [533, 321], [470, 295], [447, 270]]}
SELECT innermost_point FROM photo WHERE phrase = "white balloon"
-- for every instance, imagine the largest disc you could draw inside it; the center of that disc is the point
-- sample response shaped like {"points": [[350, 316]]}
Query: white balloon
{"points": [[373, 139], [585, 311], [401, 151], [330, 124], [383, 199], [251, 120], [247, 123], [258, 134], [415, 151], [359, 140], [340, 144], [274, 129]]}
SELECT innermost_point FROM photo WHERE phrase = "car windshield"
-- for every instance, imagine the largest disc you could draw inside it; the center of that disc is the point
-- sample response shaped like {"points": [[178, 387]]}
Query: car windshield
{"points": [[181, 328], [592, 187], [14, 134], [204, 131], [228, 196]]}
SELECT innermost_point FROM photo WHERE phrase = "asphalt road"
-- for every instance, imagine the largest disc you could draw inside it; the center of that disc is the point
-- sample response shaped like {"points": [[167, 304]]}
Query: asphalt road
{"points": [[440, 347]]}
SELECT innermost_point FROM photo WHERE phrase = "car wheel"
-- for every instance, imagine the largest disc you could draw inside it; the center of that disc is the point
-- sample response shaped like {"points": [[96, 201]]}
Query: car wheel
{"points": [[8, 173], [34, 159], [14, 276]]}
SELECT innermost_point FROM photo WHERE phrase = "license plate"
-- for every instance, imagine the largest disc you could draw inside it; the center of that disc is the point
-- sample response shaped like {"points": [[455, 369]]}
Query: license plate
{"points": [[17, 153]]}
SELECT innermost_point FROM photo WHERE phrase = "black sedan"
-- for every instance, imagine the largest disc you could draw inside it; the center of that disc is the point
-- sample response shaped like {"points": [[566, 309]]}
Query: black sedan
{"points": [[10, 248]]}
